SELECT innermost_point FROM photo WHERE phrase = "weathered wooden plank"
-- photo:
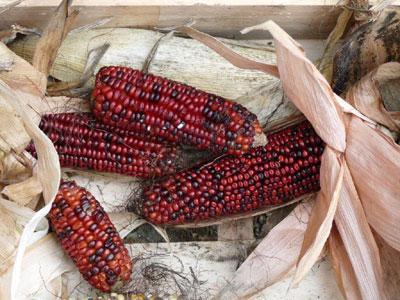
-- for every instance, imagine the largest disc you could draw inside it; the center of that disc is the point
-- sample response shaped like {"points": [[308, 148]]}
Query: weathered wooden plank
{"points": [[301, 19]]}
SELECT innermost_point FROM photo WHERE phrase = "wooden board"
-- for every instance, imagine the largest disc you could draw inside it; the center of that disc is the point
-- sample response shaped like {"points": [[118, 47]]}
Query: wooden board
{"points": [[204, 267], [301, 19]]}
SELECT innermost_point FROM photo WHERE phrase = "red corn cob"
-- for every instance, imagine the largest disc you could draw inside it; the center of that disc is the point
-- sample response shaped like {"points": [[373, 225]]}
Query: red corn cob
{"points": [[285, 169], [175, 112], [83, 142], [90, 239]]}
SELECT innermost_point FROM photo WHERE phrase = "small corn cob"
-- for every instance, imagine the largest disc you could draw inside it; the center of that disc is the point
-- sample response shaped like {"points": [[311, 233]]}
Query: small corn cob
{"points": [[90, 239], [139, 102], [83, 142], [285, 169]]}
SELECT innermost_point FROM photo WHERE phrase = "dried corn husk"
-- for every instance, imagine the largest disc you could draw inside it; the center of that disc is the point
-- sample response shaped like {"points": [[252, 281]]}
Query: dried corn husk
{"points": [[273, 259], [379, 190], [368, 95], [23, 192], [14, 217], [365, 49], [345, 276]]}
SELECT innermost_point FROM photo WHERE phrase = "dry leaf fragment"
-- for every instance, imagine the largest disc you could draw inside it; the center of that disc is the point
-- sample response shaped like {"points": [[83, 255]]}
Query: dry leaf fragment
{"points": [[374, 163], [358, 241], [23, 192], [366, 95], [325, 64], [365, 49], [52, 37], [273, 259], [234, 58], [9, 237], [345, 275]]}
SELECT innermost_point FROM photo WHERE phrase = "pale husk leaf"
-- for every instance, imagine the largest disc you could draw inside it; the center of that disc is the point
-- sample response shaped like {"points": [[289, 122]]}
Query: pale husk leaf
{"points": [[358, 241], [9, 237], [22, 215], [15, 218], [390, 260], [13, 170], [366, 95], [376, 175], [273, 259], [341, 265], [30, 93], [22, 98], [42, 262], [23, 192], [320, 223]]}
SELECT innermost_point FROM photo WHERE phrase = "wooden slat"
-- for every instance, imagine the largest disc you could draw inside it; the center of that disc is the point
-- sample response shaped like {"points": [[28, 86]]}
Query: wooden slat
{"points": [[302, 19]]}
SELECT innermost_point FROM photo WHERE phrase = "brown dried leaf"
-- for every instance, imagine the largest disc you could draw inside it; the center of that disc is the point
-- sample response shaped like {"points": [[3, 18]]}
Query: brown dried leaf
{"points": [[52, 37], [325, 65], [374, 163], [366, 95], [273, 259], [234, 58], [366, 48], [358, 241], [344, 272], [320, 223]]}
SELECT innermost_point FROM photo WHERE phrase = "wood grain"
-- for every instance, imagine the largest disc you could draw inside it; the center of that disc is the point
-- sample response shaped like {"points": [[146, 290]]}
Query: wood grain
{"points": [[301, 19]]}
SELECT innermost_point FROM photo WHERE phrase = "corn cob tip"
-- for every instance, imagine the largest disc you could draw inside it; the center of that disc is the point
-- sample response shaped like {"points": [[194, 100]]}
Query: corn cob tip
{"points": [[90, 239]]}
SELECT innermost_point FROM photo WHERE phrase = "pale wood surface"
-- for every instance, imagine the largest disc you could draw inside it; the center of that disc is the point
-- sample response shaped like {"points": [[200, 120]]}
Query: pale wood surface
{"points": [[240, 230], [206, 266], [301, 19]]}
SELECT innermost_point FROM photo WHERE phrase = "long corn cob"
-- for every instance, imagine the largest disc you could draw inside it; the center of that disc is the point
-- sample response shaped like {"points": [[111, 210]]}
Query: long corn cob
{"points": [[90, 239], [83, 142], [286, 168], [175, 112]]}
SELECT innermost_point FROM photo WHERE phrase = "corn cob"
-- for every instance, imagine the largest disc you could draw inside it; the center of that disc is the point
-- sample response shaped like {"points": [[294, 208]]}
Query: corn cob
{"points": [[285, 169], [139, 102], [83, 142], [90, 239]]}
